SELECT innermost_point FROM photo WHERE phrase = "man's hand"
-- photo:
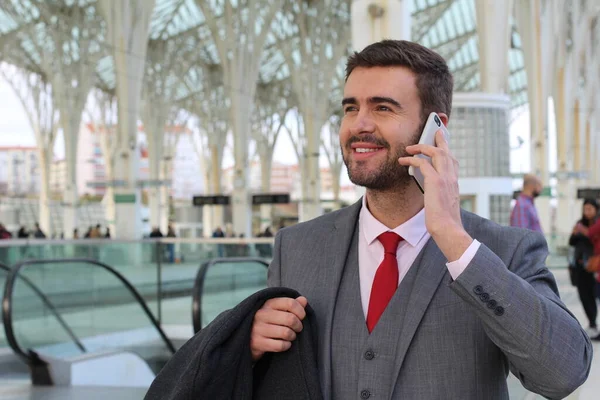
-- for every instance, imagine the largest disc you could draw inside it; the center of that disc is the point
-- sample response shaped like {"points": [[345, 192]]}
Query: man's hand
{"points": [[276, 324], [442, 198]]}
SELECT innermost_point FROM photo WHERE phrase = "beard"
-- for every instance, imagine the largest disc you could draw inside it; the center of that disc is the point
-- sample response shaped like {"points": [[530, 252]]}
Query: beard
{"points": [[389, 175]]}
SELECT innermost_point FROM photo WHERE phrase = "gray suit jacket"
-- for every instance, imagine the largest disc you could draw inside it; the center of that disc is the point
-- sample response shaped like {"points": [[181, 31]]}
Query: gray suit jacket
{"points": [[459, 338]]}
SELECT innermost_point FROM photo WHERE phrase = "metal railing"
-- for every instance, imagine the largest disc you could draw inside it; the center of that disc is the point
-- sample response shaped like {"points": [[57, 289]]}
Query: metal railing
{"points": [[48, 304], [7, 304], [199, 284]]}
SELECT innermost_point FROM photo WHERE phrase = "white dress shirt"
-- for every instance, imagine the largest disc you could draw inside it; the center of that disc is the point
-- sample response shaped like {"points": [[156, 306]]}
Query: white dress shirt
{"points": [[415, 235]]}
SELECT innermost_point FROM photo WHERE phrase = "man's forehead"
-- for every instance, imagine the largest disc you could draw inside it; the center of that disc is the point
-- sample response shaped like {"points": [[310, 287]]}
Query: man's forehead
{"points": [[395, 82]]}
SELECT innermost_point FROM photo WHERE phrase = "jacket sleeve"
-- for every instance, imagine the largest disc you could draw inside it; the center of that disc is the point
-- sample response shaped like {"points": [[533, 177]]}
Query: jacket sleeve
{"points": [[594, 230], [572, 240], [523, 315], [274, 274], [575, 238]]}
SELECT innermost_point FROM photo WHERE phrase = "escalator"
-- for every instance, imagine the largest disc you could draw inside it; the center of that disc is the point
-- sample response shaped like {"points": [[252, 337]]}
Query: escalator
{"points": [[57, 313], [66, 318], [222, 283]]}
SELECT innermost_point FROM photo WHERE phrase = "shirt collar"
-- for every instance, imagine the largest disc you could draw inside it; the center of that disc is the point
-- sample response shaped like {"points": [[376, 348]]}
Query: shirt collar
{"points": [[528, 198], [412, 231]]}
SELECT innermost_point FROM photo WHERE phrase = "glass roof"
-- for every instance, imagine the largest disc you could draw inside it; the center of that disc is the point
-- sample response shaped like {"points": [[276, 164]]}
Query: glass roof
{"points": [[447, 26]]}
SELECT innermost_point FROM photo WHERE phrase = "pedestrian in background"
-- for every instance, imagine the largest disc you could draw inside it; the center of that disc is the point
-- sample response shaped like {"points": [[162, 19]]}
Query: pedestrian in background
{"points": [[583, 250]]}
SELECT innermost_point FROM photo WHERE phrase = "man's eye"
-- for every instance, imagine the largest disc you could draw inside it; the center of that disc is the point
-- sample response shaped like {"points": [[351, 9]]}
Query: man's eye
{"points": [[349, 109], [383, 108]]}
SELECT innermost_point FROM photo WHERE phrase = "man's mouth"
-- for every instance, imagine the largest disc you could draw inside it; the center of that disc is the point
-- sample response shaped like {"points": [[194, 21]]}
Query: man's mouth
{"points": [[365, 148]]}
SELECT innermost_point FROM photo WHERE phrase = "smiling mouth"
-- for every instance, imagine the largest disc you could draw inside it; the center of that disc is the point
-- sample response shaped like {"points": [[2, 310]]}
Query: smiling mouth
{"points": [[364, 150]]}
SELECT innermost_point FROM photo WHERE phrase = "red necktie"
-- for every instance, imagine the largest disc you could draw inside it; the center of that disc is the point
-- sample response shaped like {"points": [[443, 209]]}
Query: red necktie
{"points": [[386, 279]]}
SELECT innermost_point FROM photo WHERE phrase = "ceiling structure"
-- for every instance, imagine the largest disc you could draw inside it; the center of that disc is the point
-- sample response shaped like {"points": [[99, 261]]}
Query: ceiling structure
{"points": [[447, 26]]}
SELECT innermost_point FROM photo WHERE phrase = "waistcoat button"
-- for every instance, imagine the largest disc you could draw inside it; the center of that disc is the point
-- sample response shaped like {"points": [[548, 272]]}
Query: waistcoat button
{"points": [[369, 355], [365, 394]]}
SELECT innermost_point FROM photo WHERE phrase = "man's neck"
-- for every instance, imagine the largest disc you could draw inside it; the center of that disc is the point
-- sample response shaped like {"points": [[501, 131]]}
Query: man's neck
{"points": [[527, 193], [394, 207]]}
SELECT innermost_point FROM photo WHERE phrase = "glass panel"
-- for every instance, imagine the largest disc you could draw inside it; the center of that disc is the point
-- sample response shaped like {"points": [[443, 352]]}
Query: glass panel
{"points": [[135, 260], [138, 262], [227, 284], [94, 305], [178, 277], [3, 275]]}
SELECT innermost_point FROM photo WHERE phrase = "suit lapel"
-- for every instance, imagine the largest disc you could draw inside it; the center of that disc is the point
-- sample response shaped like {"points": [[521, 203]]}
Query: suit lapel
{"points": [[431, 265], [339, 243]]}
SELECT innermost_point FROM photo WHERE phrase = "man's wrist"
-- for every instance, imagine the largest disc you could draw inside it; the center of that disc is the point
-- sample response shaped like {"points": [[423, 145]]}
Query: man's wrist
{"points": [[453, 242]]}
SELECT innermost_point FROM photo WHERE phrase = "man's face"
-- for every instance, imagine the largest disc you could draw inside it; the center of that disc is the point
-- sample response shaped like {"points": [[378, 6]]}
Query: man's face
{"points": [[537, 190], [382, 115]]}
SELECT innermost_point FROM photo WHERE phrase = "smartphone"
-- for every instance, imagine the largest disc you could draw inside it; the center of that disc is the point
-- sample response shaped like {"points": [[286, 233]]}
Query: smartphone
{"points": [[434, 123]]}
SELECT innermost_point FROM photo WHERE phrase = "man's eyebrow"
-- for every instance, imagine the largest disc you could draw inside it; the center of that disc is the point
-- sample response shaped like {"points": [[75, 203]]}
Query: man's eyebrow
{"points": [[372, 100], [382, 99]]}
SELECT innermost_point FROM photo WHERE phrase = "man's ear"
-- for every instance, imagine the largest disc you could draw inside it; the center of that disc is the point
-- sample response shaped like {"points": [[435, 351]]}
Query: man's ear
{"points": [[444, 119]]}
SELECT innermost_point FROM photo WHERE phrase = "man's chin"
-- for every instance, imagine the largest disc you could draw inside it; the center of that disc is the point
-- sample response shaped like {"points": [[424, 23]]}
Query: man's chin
{"points": [[382, 183]]}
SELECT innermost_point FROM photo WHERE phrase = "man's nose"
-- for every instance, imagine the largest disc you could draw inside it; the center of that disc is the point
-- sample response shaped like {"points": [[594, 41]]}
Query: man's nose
{"points": [[363, 123]]}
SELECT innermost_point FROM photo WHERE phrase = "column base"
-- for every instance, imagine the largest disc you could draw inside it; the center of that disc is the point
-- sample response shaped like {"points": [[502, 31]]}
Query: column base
{"points": [[128, 223]]}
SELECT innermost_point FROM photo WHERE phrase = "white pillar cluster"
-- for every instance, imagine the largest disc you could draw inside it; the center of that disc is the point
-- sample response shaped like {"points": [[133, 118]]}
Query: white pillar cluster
{"points": [[155, 61], [128, 24], [374, 20]]}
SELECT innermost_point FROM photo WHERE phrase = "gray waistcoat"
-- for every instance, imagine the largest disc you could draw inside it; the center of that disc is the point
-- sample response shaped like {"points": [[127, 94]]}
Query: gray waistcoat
{"points": [[363, 363]]}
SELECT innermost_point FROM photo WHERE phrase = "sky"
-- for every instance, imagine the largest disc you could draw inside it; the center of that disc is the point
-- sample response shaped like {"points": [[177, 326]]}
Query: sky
{"points": [[15, 130]]}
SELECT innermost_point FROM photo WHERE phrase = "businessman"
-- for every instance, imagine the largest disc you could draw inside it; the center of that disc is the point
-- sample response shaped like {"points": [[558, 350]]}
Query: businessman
{"points": [[415, 298]]}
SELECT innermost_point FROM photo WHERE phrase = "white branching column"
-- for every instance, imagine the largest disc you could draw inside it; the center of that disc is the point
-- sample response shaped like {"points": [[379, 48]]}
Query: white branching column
{"points": [[322, 41], [536, 28], [272, 105], [69, 63], [590, 96], [330, 142], [157, 101], [170, 141], [331, 146], [128, 24], [240, 37], [36, 96], [104, 119], [570, 43], [374, 20], [176, 123], [209, 144], [166, 60]]}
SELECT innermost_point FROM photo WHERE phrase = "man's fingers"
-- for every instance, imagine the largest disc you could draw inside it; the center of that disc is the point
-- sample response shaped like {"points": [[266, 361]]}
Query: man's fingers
{"points": [[421, 163], [287, 304], [440, 148], [303, 301], [426, 149], [276, 325], [440, 140], [269, 345], [281, 318], [274, 331]]}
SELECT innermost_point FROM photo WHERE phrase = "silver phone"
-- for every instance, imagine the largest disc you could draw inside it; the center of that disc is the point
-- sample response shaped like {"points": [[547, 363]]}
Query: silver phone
{"points": [[433, 124]]}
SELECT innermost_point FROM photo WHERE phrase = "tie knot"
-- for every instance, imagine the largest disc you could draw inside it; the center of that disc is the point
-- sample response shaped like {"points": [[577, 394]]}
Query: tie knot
{"points": [[390, 241]]}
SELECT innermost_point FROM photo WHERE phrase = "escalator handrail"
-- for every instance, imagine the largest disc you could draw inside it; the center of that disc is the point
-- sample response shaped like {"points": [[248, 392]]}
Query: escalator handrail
{"points": [[197, 292], [9, 287], [50, 306]]}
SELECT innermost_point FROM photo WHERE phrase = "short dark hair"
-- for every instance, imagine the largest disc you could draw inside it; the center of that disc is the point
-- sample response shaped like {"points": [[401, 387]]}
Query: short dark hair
{"points": [[591, 202], [434, 80]]}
